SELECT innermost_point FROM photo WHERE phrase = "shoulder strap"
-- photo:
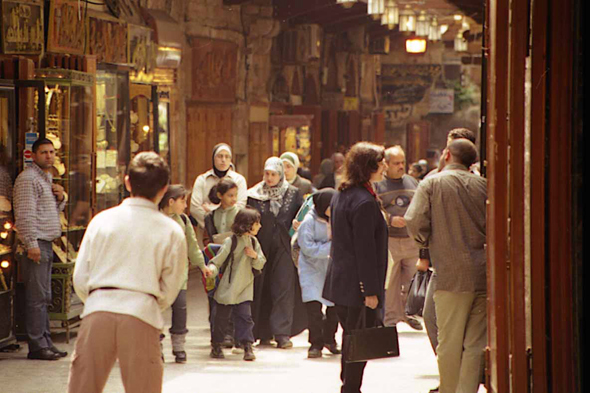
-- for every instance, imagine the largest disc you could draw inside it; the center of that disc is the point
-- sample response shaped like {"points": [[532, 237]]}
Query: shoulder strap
{"points": [[184, 219], [230, 256]]}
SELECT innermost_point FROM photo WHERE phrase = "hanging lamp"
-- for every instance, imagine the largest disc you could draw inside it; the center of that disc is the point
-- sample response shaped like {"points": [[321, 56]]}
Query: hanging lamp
{"points": [[422, 24], [407, 19], [346, 3], [376, 8], [391, 15], [435, 31]]}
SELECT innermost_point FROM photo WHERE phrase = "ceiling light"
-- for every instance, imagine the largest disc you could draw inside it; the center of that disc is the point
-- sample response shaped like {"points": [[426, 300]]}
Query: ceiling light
{"points": [[460, 43], [422, 24], [407, 19], [346, 3], [435, 33], [376, 8], [391, 15], [457, 17]]}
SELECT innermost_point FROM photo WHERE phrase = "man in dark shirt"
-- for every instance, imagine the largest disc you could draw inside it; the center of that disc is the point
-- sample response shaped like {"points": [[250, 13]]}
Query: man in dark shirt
{"points": [[396, 193]]}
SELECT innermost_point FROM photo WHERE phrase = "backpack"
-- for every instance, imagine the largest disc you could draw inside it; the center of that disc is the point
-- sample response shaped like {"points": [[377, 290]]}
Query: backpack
{"points": [[209, 252]]}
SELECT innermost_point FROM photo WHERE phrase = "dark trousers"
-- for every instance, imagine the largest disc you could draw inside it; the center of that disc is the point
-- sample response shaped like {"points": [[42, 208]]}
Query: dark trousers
{"points": [[243, 323], [229, 331], [282, 293], [37, 280], [179, 314], [322, 328], [351, 374]]}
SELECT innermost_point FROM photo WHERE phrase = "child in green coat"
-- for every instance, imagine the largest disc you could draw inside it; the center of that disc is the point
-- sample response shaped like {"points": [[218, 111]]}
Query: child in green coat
{"points": [[174, 204], [238, 260]]}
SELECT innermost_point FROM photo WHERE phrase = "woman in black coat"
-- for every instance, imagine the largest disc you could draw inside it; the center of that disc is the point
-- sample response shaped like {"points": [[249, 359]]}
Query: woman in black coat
{"points": [[355, 281], [277, 309]]}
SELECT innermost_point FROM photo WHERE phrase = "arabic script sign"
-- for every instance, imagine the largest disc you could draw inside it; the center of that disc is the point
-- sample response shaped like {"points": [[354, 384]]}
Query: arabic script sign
{"points": [[67, 28], [22, 27]]}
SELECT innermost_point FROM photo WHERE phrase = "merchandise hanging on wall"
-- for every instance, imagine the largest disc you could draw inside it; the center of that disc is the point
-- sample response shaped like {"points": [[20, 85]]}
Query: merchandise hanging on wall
{"points": [[22, 27]]}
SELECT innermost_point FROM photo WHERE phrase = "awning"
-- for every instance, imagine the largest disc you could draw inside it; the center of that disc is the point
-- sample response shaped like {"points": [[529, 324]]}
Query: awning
{"points": [[168, 37]]}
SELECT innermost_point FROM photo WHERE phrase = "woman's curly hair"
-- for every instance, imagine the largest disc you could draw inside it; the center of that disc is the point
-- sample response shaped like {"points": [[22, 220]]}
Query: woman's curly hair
{"points": [[362, 160], [244, 220]]}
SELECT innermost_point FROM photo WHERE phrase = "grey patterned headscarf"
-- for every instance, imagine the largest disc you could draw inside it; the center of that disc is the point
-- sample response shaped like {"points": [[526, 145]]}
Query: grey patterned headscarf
{"points": [[274, 194]]}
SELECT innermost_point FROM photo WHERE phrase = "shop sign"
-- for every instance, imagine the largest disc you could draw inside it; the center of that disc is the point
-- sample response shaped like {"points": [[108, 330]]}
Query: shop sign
{"points": [[30, 138], [142, 53], [407, 84], [107, 39], [68, 24], [215, 72], [442, 101], [22, 27]]}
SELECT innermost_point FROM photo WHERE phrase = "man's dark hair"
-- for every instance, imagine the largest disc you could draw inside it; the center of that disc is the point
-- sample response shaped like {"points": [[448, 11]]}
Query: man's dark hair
{"points": [[40, 142], [244, 220], [148, 174], [462, 133], [463, 151], [174, 192]]}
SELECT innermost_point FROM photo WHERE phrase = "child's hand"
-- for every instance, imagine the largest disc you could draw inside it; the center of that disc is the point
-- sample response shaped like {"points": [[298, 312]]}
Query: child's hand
{"points": [[207, 272], [250, 252]]}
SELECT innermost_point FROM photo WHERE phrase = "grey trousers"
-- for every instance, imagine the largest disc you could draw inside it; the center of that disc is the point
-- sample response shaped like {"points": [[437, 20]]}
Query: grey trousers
{"points": [[404, 252], [429, 314], [462, 337], [37, 280]]}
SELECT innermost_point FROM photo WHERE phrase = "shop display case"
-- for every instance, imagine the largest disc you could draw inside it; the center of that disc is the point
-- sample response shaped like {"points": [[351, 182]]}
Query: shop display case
{"points": [[69, 125], [163, 114], [292, 133], [112, 137], [142, 117], [7, 176]]}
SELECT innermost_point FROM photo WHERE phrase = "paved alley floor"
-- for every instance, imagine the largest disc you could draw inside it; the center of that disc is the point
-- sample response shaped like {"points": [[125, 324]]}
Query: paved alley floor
{"points": [[275, 370]]}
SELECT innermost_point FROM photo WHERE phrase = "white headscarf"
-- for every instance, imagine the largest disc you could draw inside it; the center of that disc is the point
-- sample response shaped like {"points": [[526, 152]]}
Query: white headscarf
{"points": [[274, 194]]}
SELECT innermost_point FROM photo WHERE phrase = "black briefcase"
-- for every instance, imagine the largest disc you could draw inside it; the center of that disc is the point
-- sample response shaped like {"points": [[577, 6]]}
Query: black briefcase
{"points": [[365, 343]]}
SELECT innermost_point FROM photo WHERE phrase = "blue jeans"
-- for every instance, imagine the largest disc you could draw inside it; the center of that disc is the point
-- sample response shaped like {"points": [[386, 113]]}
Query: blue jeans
{"points": [[179, 314], [37, 280], [243, 323]]}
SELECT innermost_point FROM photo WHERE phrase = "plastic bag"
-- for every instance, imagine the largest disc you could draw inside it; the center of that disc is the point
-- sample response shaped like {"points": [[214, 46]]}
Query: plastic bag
{"points": [[417, 292]]}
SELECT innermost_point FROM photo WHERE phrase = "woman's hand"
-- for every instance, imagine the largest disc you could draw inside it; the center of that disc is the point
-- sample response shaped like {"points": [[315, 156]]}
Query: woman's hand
{"points": [[250, 252], [371, 302], [296, 224]]}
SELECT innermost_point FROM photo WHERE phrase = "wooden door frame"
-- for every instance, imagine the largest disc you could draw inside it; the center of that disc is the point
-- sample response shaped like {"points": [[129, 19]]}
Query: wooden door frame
{"points": [[552, 354]]}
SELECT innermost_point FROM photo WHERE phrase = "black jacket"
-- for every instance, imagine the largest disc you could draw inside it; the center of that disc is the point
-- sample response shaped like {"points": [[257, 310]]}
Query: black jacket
{"points": [[359, 249]]}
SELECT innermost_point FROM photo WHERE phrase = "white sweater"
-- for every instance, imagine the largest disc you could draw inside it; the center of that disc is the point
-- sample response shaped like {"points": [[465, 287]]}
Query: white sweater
{"points": [[138, 249]]}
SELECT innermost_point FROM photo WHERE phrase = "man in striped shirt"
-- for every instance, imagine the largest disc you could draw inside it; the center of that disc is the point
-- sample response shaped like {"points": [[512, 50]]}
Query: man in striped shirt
{"points": [[37, 203]]}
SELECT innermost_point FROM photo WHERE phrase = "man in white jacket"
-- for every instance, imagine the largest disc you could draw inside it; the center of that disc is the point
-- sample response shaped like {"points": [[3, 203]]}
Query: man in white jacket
{"points": [[128, 270]]}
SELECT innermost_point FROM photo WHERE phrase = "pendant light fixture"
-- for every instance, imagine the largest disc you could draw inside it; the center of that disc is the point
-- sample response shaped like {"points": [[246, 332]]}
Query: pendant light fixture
{"points": [[391, 15], [435, 31], [422, 24], [407, 19], [346, 3], [376, 8], [460, 43]]}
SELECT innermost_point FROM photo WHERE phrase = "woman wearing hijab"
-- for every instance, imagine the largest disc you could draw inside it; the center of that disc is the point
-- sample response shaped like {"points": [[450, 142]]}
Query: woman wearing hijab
{"points": [[355, 281], [222, 167], [326, 169], [291, 165], [277, 308], [315, 239]]}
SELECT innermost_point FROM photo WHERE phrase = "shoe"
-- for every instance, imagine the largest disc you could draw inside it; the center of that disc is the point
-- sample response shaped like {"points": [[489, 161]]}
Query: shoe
{"points": [[283, 342], [217, 352], [249, 352], [43, 354], [228, 342], [414, 323], [265, 342], [435, 390], [179, 356], [333, 348], [61, 354], [314, 353]]}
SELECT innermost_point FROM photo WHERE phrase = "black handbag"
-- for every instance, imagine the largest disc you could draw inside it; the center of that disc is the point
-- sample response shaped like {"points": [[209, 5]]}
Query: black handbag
{"points": [[363, 343], [417, 292]]}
